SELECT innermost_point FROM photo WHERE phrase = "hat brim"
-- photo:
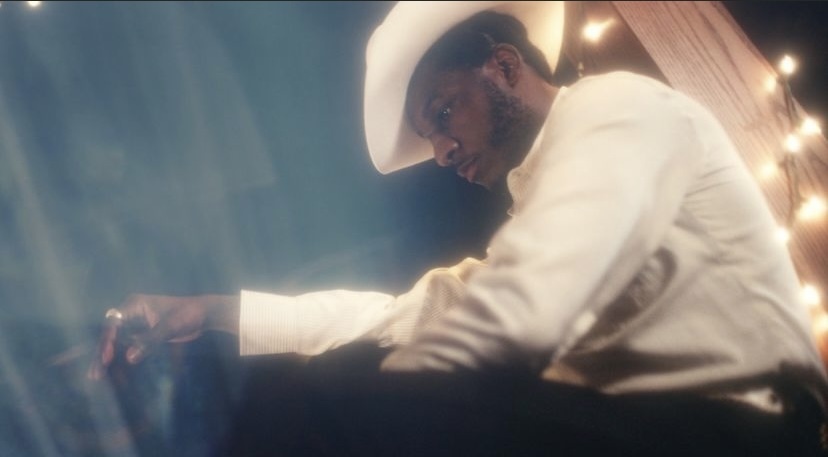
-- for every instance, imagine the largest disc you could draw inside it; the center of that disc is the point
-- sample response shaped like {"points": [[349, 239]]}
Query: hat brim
{"points": [[396, 48]]}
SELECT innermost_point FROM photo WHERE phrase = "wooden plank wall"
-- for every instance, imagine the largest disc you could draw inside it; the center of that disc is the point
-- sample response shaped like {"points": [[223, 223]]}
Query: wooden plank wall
{"points": [[698, 48]]}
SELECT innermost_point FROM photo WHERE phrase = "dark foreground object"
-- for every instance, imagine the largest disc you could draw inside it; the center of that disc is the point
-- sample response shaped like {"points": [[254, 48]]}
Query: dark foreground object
{"points": [[200, 399], [339, 405]]}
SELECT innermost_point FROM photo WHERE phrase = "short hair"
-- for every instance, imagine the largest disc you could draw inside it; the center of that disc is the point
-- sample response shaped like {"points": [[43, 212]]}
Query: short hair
{"points": [[468, 44]]}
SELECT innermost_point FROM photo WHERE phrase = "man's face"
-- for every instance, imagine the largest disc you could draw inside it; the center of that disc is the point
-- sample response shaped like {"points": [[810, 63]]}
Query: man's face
{"points": [[473, 125]]}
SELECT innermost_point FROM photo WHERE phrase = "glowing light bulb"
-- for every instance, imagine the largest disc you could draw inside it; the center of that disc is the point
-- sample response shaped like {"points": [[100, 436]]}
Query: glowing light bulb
{"points": [[793, 144], [812, 209], [783, 235], [768, 171], [810, 126], [34, 4], [811, 296], [594, 30], [821, 324], [770, 84], [787, 65]]}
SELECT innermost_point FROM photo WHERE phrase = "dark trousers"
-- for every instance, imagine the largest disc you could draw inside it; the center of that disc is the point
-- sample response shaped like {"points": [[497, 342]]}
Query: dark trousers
{"points": [[336, 407]]}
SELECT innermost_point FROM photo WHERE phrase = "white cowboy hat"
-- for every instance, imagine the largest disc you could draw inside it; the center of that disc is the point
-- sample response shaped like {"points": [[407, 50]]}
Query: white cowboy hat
{"points": [[396, 47]]}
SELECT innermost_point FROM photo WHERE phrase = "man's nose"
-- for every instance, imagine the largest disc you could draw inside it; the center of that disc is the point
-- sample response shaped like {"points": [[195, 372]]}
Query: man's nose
{"points": [[444, 149]]}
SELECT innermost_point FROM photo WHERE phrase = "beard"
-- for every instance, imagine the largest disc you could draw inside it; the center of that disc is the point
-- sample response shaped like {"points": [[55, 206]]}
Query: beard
{"points": [[513, 130], [513, 125]]}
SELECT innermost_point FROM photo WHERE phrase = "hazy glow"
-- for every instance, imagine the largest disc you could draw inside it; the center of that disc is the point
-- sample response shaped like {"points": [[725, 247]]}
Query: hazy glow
{"points": [[34, 4], [787, 65], [175, 158]]}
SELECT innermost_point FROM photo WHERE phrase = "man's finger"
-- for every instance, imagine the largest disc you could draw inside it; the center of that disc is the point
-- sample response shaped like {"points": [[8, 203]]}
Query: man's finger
{"points": [[106, 351], [147, 342], [136, 352], [108, 338]]}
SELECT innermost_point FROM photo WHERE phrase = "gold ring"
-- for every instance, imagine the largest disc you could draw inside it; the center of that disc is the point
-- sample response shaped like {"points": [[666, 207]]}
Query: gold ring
{"points": [[114, 316]]}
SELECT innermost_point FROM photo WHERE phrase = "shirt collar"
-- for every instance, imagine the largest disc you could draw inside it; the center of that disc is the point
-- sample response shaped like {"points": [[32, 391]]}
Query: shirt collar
{"points": [[517, 181]]}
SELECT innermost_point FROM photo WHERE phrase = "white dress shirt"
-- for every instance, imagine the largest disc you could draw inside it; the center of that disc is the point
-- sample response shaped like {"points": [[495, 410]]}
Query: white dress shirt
{"points": [[640, 257]]}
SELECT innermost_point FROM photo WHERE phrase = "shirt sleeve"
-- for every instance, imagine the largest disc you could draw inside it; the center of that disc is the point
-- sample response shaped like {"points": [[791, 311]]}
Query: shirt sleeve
{"points": [[316, 322], [620, 152]]}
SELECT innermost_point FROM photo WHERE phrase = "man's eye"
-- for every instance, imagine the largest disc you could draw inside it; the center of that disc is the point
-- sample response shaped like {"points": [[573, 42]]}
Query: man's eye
{"points": [[443, 116]]}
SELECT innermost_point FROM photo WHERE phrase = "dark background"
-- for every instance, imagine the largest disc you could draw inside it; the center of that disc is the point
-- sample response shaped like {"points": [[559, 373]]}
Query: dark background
{"points": [[185, 148], [795, 28]]}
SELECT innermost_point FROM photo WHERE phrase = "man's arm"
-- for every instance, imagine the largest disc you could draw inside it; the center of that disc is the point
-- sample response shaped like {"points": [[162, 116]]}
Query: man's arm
{"points": [[316, 322], [308, 324], [222, 313]]}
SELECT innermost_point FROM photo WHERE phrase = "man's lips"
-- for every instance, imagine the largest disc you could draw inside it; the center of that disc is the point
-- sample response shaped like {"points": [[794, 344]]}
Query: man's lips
{"points": [[468, 168]]}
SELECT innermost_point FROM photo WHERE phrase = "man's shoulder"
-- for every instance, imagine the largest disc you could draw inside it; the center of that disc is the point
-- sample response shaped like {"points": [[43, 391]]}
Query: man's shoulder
{"points": [[619, 90], [618, 78]]}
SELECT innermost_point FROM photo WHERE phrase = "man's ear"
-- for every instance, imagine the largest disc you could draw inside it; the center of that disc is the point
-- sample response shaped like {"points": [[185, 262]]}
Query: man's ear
{"points": [[506, 63]]}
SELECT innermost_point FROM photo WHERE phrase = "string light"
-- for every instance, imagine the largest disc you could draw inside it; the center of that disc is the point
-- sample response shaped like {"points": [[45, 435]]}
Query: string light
{"points": [[768, 171], [812, 209], [787, 66], [798, 208], [821, 324], [811, 296], [594, 30], [591, 34], [792, 143], [783, 235], [770, 84], [810, 127]]}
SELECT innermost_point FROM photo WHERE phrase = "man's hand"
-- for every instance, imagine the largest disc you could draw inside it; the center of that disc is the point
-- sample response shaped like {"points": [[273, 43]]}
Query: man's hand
{"points": [[149, 320]]}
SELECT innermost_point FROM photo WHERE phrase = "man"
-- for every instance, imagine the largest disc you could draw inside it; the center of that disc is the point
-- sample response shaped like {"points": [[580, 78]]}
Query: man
{"points": [[638, 276]]}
